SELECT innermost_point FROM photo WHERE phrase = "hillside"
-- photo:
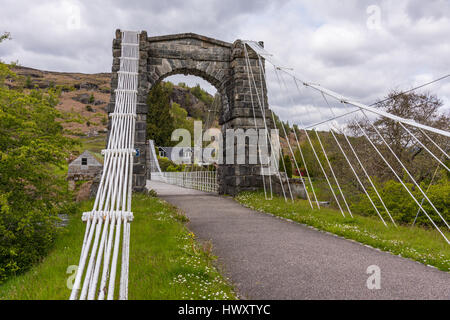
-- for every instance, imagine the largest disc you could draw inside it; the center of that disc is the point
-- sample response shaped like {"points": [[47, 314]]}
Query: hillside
{"points": [[86, 97]]}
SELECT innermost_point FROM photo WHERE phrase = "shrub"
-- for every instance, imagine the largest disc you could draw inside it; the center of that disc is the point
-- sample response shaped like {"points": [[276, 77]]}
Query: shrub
{"points": [[164, 163], [171, 168], [32, 147], [402, 207], [28, 83], [287, 164]]}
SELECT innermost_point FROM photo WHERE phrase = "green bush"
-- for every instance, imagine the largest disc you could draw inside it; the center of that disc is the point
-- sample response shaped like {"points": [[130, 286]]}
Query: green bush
{"points": [[171, 168], [287, 164], [32, 148], [28, 83], [168, 165], [202, 95], [164, 163], [402, 207]]}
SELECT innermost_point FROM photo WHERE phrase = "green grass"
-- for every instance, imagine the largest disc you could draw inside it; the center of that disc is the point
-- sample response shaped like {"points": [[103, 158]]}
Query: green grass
{"points": [[166, 262], [424, 245]]}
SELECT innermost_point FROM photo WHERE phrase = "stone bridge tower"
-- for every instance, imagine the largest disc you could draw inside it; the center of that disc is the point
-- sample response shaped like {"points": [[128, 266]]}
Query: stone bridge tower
{"points": [[220, 63]]}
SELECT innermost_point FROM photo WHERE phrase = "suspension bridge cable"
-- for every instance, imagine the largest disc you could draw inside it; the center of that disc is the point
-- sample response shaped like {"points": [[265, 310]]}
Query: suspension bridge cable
{"points": [[401, 182], [262, 79], [410, 90], [317, 157], [112, 205], [273, 150], [428, 189], [406, 170], [329, 165], [364, 170], [364, 108], [254, 119], [423, 146], [435, 144], [259, 50], [332, 172], [301, 154], [290, 148], [331, 168]]}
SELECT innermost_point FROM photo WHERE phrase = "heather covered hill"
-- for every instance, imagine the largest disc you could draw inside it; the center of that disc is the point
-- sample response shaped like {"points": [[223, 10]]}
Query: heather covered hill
{"points": [[86, 96]]}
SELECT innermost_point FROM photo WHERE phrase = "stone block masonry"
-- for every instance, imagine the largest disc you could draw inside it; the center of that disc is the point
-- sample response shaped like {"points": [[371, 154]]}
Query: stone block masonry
{"points": [[220, 63]]}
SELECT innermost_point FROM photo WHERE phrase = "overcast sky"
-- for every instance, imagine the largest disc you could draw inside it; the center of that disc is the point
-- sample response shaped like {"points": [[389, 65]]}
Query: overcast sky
{"points": [[359, 48]]}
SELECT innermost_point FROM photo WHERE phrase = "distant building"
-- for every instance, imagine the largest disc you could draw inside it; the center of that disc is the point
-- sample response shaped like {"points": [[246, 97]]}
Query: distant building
{"points": [[182, 154], [85, 167]]}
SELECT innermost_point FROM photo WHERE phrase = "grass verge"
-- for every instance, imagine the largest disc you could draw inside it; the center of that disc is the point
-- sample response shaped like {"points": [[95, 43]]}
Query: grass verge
{"points": [[165, 260], [424, 245]]}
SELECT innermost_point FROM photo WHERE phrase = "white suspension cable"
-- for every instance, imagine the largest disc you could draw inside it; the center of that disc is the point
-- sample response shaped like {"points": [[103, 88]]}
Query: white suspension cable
{"points": [[428, 189], [406, 170], [354, 172], [334, 175], [423, 146], [318, 159], [112, 205], [402, 183], [435, 144], [345, 101], [254, 119], [301, 153], [262, 79], [290, 148], [262, 108], [259, 50]]}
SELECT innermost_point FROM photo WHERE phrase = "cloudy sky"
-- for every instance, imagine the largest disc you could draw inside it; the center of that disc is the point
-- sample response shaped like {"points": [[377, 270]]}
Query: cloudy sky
{"points": [[361, 49]]}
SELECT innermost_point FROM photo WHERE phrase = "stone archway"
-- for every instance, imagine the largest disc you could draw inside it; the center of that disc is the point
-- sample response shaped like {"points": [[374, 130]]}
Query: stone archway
{"points": [[220, 63]]}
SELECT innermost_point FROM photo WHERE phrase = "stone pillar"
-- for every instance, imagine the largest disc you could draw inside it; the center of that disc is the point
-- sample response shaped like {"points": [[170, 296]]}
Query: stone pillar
{"points": [[234, 178]]}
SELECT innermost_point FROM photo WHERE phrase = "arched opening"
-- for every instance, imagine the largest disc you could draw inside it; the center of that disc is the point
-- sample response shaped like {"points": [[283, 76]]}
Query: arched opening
{"points": [[220, 63], [182, 102]]}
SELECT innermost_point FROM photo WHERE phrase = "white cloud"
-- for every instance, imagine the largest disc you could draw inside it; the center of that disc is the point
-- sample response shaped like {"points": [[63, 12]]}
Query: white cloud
{"points": [[326, 42]]}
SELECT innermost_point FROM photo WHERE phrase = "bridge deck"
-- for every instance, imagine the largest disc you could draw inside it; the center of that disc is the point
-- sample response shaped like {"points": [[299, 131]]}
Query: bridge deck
{"points": [[269, 258]]}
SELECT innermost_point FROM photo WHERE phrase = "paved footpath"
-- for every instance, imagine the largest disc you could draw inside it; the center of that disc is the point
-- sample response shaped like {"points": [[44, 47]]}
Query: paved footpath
{"points": [[270, 258]]}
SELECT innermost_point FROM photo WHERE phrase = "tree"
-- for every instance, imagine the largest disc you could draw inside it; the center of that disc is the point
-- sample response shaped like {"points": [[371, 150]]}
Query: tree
{"points": [[5, 36], [313, 166], [160, 122], [181, 120], [421, 107], [32, 146], [287, 164]]}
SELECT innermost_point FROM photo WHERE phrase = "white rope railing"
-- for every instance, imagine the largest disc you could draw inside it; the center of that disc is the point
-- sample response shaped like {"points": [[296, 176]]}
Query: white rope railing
{"points": [[111, 214], [198, 180]]}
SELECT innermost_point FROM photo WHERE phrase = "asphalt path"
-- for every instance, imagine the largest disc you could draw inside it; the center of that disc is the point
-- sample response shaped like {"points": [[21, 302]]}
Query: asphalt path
{"points": [[270, 258]]}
